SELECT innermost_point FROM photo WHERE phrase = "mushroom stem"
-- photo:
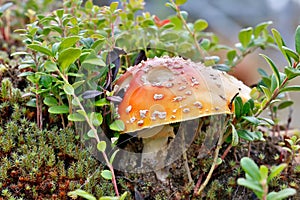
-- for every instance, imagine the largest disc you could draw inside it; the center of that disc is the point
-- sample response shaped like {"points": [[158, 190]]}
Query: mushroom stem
{"points": [[155, 150]]}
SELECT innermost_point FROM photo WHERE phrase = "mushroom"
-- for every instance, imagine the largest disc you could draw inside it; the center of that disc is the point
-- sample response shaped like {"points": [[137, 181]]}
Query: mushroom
{"points": [[161, 91]]}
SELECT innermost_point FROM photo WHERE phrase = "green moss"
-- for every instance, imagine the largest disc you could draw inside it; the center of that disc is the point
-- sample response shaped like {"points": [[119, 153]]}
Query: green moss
{"points": [[44, 163]]}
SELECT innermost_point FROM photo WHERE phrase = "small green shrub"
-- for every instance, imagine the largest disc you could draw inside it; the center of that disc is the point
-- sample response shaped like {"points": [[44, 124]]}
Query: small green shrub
{"points": [[258, 179]]}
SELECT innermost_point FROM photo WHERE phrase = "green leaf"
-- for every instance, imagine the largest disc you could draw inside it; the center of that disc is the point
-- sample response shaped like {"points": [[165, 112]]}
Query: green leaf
{"points": [[250, 135], [269, 121], [250, 184], [45, 81], [25, 74], [169, 37], [50, 66], [273, 67], [92, 60], [285, 104], [245, 36], [68, 42], [238, 107], [184, 14], [266, 91], [102, 102], [97, 119], [231, 55], [251, 119], [250, 167], [281, 194], [222, 67], [68, 89], [297, 39], [31, 103], [205, 44], [290, 53], [280, 44], [235, 137], [171, 5], [123, 196], [79, 75], [291, 72], [275, 171], [60, 13], [67, 57], [263, 172], [293, 88], [200, 25], [81, 193], [108, 198], [77, 84], [117, 125], [260, 28], [91, 133], [180, 2], [76, 117], [50, 101], [111, 160], [40, 49], [106, 174], [19, 53], [113, 6], [246, 108], [58, 109], [101, 146]]}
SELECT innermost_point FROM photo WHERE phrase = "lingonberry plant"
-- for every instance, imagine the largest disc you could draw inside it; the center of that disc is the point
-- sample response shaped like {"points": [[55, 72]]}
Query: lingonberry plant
{"points": [[75, 53]]}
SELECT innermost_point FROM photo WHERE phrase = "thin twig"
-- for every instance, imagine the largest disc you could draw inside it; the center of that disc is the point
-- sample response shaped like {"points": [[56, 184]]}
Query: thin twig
{"points": [[214, 164], [110, 166]]}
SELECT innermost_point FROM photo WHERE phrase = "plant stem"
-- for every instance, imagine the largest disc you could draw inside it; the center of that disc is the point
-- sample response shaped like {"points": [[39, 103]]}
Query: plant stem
{"points": [[110, 166], [274, 95], [214, 164], [192, 33]]}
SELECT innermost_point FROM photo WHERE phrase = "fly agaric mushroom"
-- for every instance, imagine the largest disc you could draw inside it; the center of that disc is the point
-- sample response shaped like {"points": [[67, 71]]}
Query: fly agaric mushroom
{"points": [[161, 91]]}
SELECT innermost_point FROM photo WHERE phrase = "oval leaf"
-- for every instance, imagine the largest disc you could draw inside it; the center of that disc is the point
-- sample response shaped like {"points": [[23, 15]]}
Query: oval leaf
{"points": [[68, 89], [67, 57], [200, 25], [117, 125], [275, 171], [106, 174], [273, 67], [91, 134], [40, 49], [50, 66], [69, 42], [76, 117], [245, 36], [285, 104], [282, 194], [59, 109], [101, 146], [235, 137], [91, 94], [250, 167], [50, 101], [81, 193]]}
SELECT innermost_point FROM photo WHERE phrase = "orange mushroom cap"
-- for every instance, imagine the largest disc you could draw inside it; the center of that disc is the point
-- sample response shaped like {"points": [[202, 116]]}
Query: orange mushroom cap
{"points": [[167, 90]]}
